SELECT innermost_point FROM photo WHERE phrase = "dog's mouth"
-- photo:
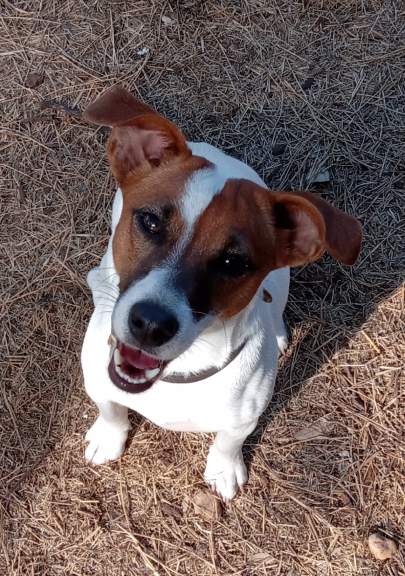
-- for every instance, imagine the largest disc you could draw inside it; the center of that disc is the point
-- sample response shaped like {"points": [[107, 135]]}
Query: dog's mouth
{"points": [[132, 370]]}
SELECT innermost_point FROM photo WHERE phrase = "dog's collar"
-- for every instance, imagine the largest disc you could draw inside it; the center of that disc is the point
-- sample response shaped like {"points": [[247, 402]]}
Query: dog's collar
{"points": [[178, 378]]}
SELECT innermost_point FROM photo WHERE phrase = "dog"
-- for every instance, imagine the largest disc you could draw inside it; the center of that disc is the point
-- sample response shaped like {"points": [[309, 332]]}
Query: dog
{"points": [[189, 296]]}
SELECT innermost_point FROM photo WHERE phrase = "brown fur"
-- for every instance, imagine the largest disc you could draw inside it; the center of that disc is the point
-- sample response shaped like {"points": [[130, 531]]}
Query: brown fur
{"points": [[139, 134], [162, 186], [343, 232]]}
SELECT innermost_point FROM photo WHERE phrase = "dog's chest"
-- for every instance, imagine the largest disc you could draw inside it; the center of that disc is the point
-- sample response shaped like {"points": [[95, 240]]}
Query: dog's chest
{"points": [[221, 401], [184, 407]]}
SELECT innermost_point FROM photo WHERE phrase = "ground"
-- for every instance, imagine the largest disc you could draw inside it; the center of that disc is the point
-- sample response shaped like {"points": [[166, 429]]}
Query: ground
{"points": [[301, 90]]}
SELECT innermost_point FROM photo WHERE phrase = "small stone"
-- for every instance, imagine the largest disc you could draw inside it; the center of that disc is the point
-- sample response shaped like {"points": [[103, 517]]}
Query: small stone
{"points": [[34, 79], [167, 21], [382, 547], [207, 505], [143, 51]]}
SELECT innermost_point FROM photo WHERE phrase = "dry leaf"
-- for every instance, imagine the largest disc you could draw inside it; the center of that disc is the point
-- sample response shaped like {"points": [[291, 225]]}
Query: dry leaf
{"points": [[112, 341], [34, 79], [206, 504], [382, 547], [343, 498], [261, 557], [319, 428], [170, 510], [322, 176]]}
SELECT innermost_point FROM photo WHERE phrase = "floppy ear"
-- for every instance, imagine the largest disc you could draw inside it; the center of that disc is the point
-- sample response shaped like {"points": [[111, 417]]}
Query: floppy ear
{"points": [[139, 134], [343, 232], [305, 226]]}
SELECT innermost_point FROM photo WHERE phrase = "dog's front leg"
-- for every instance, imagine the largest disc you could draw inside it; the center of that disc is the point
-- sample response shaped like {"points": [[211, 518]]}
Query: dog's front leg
{"points": [[108, 434], [226, 470]]}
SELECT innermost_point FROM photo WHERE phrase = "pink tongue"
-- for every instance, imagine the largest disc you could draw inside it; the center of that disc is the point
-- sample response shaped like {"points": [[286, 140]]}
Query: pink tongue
{"points": [[136, 358]]}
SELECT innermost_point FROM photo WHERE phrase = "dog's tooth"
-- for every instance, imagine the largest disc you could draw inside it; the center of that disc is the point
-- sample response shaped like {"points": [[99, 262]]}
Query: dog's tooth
{"points": [[120, 372], [128, 378], [152, 373], [117, 357]]}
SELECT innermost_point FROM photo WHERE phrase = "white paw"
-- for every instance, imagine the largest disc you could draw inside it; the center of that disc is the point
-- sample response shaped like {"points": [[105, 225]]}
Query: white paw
{"points": [[106, 442], [282, 337], [224, 474]]}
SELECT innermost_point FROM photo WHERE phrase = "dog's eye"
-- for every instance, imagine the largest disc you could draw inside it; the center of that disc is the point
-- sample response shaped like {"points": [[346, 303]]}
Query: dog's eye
{"points": [[232, 265], [149, 223]]}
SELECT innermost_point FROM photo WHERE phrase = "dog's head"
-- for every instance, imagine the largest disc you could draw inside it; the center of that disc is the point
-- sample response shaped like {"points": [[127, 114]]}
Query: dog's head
{"points": [[191, 245]]}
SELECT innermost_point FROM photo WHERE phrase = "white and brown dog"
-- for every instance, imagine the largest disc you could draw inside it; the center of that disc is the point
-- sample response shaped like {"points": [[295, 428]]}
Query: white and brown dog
{"points": [[181, 332]]}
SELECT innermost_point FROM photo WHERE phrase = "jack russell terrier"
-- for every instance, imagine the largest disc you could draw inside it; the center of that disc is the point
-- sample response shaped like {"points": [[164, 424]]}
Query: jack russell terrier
{"points": [[183, 329]]}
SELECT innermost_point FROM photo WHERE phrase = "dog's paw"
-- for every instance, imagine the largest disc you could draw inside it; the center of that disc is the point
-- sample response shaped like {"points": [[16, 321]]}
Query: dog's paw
{"points": [[106, 442], [224, 474]]}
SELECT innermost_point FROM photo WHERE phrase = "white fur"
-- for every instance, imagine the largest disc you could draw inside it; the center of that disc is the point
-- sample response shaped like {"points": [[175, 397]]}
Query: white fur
{"points": [[200, 190], [229, 402]]}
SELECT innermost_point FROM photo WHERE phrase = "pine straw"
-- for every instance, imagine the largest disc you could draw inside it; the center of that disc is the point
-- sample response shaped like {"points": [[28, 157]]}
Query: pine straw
{"points": [[323, 81]]}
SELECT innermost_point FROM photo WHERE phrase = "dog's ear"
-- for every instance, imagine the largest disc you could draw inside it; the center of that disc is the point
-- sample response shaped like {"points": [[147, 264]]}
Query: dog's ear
{"points": [[343, 232], [306, 225], [139, 134], [114, 107]]}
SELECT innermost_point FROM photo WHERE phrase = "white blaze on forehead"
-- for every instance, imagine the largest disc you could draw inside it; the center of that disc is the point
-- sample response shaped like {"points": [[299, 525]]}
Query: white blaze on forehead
{"points": [[199, 191], [207, 183]]}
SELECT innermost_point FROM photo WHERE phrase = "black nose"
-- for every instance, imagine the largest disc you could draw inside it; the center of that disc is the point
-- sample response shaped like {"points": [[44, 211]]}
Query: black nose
{"points": [[151, 324]]}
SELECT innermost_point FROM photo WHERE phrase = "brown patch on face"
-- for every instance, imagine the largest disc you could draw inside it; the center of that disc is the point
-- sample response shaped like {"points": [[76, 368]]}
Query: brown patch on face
{"points": [[260, 230], [237, 215], [155, 190]]}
